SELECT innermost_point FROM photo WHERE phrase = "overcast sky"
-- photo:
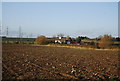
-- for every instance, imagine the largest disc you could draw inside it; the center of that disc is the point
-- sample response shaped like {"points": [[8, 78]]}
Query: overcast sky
{"points": [[70, 18]]}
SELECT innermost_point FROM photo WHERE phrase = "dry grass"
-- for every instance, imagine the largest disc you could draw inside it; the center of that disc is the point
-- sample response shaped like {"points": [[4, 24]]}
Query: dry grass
{"points": [[77, 47]]}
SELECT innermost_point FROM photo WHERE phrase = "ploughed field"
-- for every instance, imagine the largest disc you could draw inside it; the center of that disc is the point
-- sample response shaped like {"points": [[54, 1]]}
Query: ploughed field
{"points": [[44, 62]]}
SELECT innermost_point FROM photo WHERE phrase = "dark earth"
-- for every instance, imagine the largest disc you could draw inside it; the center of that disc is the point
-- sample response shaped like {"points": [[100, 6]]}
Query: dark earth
{"points": [[29, 62]]}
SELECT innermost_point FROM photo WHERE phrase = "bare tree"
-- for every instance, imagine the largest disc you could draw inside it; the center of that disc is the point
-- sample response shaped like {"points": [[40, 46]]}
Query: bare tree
{"points": [[60, 35]]}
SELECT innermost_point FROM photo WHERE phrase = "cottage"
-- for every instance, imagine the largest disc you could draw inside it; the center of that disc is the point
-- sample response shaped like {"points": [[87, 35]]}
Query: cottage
{"points": [[59, 40], [62, 40]]}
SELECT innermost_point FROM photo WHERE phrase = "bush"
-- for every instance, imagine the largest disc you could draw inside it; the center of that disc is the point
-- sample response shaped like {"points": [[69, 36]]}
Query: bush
{"points": [[41, 40], [105, 42], [50, 41]]}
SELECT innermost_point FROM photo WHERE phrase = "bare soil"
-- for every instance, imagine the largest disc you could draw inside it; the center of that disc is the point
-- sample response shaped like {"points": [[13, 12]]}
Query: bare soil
{"points": [[27, 62]]}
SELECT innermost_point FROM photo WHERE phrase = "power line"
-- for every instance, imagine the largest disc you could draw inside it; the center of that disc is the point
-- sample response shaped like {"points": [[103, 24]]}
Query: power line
{"points": [[0, 30], [20, 32], [7, 31]]}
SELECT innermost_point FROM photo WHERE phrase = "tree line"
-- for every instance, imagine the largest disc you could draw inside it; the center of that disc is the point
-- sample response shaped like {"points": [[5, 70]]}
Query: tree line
{"points": [[105, 41]]}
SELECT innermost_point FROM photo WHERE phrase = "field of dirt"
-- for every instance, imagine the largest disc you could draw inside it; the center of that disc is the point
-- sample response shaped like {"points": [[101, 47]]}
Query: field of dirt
{"points": [[27, 62]]}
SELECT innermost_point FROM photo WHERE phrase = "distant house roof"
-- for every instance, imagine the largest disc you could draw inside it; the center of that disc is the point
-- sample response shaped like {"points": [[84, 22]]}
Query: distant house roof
{"points": [[62, 39]]}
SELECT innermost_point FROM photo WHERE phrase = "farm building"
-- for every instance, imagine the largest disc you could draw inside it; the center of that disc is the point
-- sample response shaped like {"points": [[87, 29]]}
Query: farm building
{"points": [[62, 40], [89, 41]]}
